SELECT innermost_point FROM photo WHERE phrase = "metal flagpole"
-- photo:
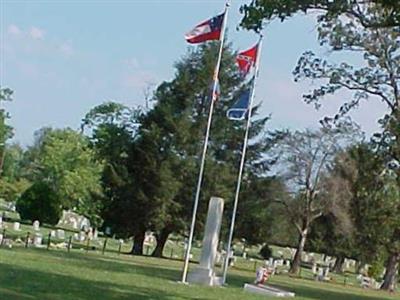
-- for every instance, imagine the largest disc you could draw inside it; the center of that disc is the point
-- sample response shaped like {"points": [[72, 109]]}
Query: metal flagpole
{"points": [[242, 160], [200, 179]]}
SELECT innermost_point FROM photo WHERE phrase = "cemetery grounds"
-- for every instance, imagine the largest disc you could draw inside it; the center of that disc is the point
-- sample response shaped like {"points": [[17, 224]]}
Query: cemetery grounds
{"points": [[86, 272]]}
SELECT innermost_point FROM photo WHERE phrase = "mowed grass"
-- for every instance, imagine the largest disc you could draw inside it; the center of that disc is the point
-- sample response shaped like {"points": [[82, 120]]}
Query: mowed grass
{"points": [[41, 274]]}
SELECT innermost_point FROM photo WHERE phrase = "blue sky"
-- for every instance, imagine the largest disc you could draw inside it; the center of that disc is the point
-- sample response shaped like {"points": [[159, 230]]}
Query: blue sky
{"points": [[64, 57]]}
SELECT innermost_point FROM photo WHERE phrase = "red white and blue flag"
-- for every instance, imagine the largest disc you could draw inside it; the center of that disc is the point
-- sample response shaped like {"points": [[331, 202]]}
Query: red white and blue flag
{"points": [[247, 59], [207, 31]]}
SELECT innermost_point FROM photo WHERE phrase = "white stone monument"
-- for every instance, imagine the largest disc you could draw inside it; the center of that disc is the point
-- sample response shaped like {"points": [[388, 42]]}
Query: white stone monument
{"points": [[36, 225], [17, 226], [314, 269], [204, 273], [82, 236], [60, 234], [271, 262], [37, 240]]}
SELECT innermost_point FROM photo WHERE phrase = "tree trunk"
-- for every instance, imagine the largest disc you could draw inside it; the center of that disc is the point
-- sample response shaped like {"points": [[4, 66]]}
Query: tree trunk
{"points": [[138, 241], [161, 240], [338, 267], [296, 264], [2, 156], [391, 271]]}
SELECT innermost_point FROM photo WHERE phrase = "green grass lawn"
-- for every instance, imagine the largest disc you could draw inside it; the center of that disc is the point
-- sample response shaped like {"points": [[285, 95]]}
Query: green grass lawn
{"points": [[41, 274]]}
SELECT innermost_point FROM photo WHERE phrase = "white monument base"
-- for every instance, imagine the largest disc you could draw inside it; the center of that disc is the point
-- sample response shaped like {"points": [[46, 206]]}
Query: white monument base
{"points": [[204, 276], [267, 290]]}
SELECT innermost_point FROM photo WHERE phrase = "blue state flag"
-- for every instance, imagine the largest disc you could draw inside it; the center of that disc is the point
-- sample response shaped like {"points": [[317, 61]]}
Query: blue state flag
{"points": [[239, 110]]}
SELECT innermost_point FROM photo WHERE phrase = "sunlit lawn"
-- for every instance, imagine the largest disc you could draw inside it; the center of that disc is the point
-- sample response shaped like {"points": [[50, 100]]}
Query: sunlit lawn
{"points": [[57, 274]]}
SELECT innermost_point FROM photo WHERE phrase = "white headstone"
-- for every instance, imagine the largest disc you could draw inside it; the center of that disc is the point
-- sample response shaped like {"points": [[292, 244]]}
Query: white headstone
{"points": [[278, 263], [326, 272], [347, 264], [306, 257], [17, 226], [12, 207], [74, 224], [82, 236], [60, 234], [53, 233], [288, 263], [36, 225], [107, 231], [76, 237], [271, 262], [90, 234], [37, 240], [314, 269], [204, 273]]}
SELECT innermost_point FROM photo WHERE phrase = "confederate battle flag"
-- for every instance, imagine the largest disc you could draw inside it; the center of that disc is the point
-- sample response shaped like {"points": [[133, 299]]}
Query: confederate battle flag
{"points": [[247, 59], [206, 31]]}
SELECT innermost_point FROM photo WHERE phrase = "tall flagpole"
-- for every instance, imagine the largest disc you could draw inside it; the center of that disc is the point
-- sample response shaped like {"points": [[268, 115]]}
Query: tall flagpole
{"points": [[242, 160], [200, 179]]}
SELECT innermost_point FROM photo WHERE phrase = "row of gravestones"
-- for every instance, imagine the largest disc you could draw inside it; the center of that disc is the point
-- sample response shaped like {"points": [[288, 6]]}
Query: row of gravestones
{"points": [[58, 234]]}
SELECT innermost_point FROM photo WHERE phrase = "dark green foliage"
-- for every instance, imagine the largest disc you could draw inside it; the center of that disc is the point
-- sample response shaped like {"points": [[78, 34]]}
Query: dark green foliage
{"points": [[257, 213], [5, 129], [260, 11], [39, 202], [266, 252], [63, 159]]}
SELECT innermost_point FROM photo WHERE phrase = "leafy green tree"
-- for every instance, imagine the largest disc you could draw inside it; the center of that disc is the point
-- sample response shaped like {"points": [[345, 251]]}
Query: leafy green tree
{"points": [[259, 11], [5, 130], [12, 182], [112, 130], [63, 160], [257, 215], [40, 202]]}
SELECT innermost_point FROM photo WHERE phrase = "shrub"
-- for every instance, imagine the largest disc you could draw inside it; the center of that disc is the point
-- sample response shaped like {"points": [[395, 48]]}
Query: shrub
{"points": [[266, 252], [39, 202]]}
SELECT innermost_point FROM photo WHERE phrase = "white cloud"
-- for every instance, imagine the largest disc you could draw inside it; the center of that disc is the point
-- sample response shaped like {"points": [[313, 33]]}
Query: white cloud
{"points": [[36, 33], [13, 30]]}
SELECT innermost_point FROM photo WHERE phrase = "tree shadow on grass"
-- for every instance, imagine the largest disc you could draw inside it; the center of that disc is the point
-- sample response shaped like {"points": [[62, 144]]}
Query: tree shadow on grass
{"points": [[316, 292], [22, 283], [112, 264]]}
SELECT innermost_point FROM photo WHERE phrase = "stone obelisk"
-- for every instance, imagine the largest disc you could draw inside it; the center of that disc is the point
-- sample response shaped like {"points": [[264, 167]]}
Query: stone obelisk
{"points": [[204, 273]]}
